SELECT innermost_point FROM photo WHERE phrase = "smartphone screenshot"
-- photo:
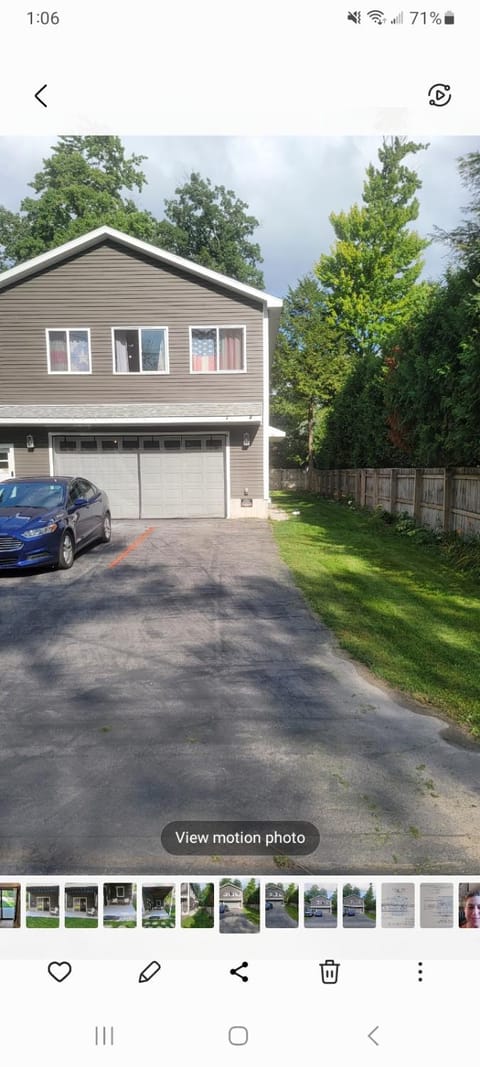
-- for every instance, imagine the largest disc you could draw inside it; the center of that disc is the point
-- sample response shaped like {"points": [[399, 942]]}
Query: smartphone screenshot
{"points": [[239, 533]]}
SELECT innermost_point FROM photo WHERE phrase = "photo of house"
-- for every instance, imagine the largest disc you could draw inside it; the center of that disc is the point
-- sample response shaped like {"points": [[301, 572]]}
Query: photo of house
{"points": [[197, 905], [239, 906], [359, 905], [281, 905], [158, 906], [230, 896], [10, 905], [119, 904], [81, 906], [320, 905], [43, 906], [154, 391], [153, 351]]}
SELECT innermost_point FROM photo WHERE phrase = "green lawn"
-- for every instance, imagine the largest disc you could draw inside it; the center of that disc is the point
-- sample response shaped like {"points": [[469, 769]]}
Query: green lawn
{"points": [[199, 919], [164, 924], [396, 605], [42, 922], [292, 911], [83, 924]]}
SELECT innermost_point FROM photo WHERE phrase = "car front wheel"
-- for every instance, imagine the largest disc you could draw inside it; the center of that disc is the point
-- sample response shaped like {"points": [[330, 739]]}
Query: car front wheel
{"points": [[66, 554], [106, 528]]}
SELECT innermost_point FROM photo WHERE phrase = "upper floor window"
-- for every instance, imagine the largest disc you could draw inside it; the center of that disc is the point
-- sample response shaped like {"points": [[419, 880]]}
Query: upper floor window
{"points": [[215, 349], [69, 351], [140, 350]]}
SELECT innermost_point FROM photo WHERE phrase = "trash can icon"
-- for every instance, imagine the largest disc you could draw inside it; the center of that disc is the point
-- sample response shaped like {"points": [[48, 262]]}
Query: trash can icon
{"points": [[329, 971]]}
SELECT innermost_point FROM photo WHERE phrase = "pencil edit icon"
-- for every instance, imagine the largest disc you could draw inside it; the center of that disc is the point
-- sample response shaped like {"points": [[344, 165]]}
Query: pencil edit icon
{"points": [[149, 971]]}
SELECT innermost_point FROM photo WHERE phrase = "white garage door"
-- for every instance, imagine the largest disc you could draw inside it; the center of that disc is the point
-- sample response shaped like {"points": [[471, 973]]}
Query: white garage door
{"points": [[150, 477]]}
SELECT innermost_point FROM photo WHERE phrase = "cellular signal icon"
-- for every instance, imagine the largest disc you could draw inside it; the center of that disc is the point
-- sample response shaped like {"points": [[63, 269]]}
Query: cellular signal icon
{"points": [[377, 16], [398, 20]]}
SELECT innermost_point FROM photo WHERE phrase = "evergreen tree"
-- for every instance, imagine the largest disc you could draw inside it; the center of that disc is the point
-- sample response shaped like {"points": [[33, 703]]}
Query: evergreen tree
{"points": [[309, 367]]}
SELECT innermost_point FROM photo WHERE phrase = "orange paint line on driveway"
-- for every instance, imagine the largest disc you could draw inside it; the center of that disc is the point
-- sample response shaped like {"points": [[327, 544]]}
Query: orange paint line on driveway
{"points": [[131, 548]]}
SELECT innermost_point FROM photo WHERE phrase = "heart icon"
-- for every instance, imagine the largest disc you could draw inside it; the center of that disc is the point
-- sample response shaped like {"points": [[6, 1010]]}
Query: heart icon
{"points": [[59, 971]]}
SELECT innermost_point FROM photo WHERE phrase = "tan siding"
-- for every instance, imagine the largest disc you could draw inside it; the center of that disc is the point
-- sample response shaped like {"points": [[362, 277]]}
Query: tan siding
{"points": [[106, 287], [246, 465], [27, 463]]}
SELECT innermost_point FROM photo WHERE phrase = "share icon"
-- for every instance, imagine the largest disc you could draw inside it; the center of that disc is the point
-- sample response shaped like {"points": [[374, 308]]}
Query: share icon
{"points": [[235, 970]]}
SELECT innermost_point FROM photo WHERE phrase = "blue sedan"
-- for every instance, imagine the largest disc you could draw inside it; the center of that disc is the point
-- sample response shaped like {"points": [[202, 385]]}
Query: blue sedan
{"points": [[48, 520]]}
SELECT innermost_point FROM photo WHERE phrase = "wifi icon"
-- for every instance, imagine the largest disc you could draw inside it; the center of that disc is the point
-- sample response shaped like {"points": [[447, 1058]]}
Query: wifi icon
{"points": [[377, 16]]}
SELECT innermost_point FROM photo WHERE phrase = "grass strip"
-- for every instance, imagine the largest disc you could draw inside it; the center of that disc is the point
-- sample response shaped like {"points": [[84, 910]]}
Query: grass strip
{"points": [[398, 606]]}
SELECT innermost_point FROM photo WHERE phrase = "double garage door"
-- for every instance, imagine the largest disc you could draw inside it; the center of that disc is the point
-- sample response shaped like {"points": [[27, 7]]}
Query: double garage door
{"points": [[156, 476]]}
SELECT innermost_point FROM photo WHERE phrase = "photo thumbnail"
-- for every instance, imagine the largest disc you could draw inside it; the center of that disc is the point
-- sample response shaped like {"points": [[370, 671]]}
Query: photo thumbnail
{"points": [[320, 905], [359, 906], [469, 906]]}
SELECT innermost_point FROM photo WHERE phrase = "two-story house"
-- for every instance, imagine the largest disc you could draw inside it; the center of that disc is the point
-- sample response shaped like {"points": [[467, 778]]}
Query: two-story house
{"points": [[141, 371], [231, 895], [274, 894]]}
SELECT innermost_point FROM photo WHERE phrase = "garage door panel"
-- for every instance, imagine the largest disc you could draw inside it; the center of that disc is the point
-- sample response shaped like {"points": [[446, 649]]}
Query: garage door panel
{"points": [[183, 484], [162, 483], [115, 472]]}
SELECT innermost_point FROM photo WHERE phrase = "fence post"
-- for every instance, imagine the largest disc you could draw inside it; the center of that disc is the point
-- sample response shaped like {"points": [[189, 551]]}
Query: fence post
{"points": [[447, 499], [393, 490], [375, 487], [358, 486], [417, 494]]}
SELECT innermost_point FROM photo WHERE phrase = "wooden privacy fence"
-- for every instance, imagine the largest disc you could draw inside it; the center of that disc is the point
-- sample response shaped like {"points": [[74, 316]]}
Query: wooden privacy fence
{"points": [[446, 498]]}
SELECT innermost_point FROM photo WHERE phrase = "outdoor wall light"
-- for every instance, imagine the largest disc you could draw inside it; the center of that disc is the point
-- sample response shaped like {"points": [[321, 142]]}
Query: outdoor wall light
{"points": [[30, 443], [246, 440]]}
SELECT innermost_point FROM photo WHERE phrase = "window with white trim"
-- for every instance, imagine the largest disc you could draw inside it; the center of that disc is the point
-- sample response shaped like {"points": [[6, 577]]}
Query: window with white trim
{"points": [[217, 349], [69, 351], [140, 350]]}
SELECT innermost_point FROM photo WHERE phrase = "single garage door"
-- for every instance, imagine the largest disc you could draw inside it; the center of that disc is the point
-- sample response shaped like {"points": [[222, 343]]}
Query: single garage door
{"points": [[159, 476]]}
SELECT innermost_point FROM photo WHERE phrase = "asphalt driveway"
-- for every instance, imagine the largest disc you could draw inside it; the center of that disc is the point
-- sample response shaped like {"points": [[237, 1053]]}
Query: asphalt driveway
{"points": [[278, 917], [192, 681]]}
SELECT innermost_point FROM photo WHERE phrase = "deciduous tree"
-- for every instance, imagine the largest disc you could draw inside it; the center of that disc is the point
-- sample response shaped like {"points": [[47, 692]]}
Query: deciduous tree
{"points": [[370, 275], [211, 225]]}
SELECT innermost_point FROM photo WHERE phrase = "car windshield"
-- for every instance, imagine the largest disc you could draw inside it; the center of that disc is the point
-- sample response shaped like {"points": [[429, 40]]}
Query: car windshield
{"points": [[42, 495]]}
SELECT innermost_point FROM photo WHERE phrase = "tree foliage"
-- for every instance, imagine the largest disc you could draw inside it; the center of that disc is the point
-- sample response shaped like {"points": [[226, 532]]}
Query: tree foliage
{"points": [[370, 276], [210, 225], [309, 367], [432, 393], [85, 183], [82, 186], [464, 240]]}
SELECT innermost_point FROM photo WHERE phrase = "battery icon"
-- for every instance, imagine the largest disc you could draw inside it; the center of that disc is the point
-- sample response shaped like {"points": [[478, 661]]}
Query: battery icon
{"points": [[449, 18]]}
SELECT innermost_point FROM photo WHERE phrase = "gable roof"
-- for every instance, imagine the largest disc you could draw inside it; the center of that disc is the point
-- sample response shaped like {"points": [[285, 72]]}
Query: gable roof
{"points": [[104, 233]]}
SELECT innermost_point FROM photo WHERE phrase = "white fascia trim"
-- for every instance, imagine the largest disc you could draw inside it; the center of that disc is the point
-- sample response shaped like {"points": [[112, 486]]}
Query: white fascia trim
{"points": [[95, 236], [266, 406], [159, 420]]}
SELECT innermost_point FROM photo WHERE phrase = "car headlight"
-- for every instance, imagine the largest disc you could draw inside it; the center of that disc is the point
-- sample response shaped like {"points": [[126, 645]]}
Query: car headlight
{"points": [[40, 531]]}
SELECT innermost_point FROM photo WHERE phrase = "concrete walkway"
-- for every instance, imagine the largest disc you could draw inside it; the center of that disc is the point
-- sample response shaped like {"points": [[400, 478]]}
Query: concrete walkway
{"points": [[192, 681]]}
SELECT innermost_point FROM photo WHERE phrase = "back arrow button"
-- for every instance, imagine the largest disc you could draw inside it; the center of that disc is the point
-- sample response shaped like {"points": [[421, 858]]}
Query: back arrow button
{"points": [[37, 95], [370, 1035]]}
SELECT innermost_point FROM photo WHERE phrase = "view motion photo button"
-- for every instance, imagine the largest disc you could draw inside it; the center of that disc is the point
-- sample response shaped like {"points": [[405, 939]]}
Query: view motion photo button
{"points": [[185, 838]]}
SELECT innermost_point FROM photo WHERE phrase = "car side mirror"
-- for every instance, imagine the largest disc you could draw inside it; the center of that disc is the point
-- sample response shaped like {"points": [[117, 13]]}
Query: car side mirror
{"points": [[80, 502]]}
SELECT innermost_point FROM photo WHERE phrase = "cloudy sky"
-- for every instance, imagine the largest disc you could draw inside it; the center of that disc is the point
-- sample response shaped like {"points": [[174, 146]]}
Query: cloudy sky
{"points": [[291, 185]]}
